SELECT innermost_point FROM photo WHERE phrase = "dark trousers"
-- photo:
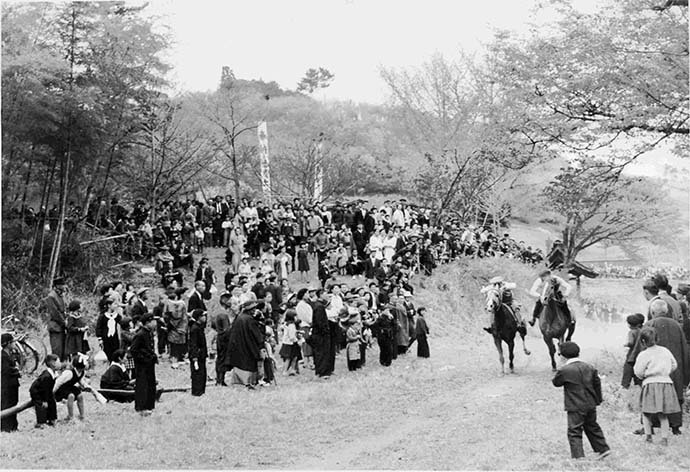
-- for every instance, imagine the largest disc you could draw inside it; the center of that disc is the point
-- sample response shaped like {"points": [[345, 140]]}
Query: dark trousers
{"points": [[198, 377], [145, 388], [353, 364], [577, 422], [385, 351], [362, 354], [322, 359], [336, 334], [57, 344], [162, 340], [9, 397], [45, 415], [221, 366], [537, 310]]}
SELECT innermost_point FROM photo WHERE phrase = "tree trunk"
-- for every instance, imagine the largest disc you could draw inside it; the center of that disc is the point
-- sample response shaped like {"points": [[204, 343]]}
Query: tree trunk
{"points": [[26, 182], [235, 171], [57, 246]]}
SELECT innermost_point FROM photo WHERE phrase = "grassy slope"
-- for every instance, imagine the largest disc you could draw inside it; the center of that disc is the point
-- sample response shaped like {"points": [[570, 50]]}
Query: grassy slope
{"points": [[453, 411]]}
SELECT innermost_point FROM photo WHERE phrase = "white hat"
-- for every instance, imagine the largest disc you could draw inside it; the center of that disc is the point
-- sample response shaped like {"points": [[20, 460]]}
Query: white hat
{"points": [[496, 280]]}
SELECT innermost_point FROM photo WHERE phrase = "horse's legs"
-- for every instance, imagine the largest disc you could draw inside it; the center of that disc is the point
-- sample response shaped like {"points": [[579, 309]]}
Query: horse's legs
{"points": [[511, 355], [522, 332], [499, 348], [571, 331], [552, 351]]}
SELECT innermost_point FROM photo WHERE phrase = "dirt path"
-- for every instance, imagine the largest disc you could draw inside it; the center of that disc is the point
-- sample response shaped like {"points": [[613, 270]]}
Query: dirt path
{"points": [[468, 416]]}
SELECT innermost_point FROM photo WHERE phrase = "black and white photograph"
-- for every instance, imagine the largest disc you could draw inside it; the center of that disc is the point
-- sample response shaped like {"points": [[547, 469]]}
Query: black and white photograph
{"points": [[345, 235]]}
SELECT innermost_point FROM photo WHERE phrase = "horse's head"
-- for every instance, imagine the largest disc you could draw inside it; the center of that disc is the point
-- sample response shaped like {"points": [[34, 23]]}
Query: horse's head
{"points": [[493, 299]]}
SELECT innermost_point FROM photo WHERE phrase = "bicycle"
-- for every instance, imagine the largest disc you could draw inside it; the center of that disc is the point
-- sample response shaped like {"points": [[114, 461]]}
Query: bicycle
{"points": [[29, 351]]}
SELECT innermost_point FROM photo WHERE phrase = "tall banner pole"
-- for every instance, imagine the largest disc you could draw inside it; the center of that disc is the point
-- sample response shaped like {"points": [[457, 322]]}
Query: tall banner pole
{"points": [[262, 132], [318, 174]]}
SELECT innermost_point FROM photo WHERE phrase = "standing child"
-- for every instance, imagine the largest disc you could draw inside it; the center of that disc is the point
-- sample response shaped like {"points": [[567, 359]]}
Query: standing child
{"points": [[582, 393], [199, 238], [303, 262], [654, 366], [76, 329], [353, 337], [42, 395], [68, 387], [635, 323], [290, 350], [421, 331]]}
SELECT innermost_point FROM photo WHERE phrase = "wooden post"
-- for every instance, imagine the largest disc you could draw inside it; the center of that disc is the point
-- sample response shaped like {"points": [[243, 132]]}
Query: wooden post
{"points": [[16, 409]]}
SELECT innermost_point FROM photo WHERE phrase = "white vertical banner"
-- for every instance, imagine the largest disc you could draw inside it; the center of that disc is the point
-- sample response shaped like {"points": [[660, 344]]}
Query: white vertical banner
{"points": [[262, 132], [318, 174]]}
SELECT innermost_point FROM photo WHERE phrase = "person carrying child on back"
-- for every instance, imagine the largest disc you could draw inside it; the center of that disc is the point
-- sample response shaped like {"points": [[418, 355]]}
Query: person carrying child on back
{"points": [[581, 395], [68, 387]]}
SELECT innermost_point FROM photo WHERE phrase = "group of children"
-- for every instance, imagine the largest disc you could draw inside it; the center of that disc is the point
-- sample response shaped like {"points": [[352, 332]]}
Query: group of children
{"points": [[651, 369]]}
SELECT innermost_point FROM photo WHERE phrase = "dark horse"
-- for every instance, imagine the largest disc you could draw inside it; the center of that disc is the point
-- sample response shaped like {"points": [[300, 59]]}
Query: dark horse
{"points": [[504, 327], [554, 319]]}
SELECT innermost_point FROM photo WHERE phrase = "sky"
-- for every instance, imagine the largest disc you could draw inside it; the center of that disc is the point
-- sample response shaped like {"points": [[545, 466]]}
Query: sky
{"points": [[280, 40]]}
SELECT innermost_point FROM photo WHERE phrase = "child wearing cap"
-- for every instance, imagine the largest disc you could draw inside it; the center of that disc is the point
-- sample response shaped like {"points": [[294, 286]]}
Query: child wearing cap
{"points": [[75, 341], [581, 394], [654, 366]]}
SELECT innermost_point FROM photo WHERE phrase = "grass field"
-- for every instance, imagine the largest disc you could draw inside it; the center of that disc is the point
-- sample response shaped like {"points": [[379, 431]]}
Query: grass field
{"points": [[452, 411]]}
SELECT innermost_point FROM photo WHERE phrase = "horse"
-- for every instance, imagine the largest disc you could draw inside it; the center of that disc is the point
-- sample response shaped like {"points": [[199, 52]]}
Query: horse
{"points": [[554, 320], [504, 327]]}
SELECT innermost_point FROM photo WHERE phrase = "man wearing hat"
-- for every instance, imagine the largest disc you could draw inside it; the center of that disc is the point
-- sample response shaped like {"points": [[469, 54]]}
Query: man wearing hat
{"points": [[222, 324], [581, 393], [145, 360], [206, 274], [244, 346], [539, 290], [9, 395], [55, 306], [320, 339], [139, 307], [198, 351], [505, 295]]}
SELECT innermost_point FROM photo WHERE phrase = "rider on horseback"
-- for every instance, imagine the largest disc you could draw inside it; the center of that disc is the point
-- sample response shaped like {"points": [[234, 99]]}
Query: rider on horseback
{"points": [[539, 290], [505, 295]]}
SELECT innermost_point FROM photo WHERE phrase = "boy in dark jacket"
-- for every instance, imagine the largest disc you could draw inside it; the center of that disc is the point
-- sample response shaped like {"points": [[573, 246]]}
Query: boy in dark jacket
{"points": [[42, 395], [582, 393]]}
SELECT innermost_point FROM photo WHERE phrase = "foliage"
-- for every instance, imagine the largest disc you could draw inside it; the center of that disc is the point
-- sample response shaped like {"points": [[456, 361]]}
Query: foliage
{"points": [[458, 121], [315, 79], [601, 206], [594, 80]]}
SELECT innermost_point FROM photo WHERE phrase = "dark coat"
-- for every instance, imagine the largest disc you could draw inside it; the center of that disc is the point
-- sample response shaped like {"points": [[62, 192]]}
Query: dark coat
{"points": [[245, 343], [195, 302], [208, 280], [55, 306], [581, 386], [145, 360], [197, 341], [115, 378], [320, 340], [138, 309]]}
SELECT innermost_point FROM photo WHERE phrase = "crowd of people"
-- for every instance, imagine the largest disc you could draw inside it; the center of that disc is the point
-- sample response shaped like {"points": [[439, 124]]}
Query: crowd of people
{"points": [[641, 272]]}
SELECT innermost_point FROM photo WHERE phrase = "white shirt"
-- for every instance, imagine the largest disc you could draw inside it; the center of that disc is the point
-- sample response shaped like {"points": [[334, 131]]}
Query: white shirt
{"points": [[539, 288], [304, 312]]}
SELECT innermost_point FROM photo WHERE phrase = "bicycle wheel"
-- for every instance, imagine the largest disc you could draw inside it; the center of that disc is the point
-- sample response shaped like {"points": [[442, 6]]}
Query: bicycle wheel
{"points": [[29, 359], [37, 345]]}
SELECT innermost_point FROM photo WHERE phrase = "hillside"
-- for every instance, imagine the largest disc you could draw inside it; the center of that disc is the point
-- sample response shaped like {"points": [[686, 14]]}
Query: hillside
{"points": [[452, 411]]}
